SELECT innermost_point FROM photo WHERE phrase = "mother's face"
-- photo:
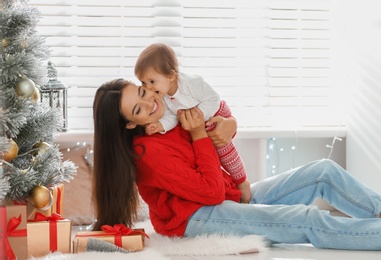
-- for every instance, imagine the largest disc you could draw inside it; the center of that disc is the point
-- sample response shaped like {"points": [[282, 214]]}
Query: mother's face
{"points": [[141, 106]]}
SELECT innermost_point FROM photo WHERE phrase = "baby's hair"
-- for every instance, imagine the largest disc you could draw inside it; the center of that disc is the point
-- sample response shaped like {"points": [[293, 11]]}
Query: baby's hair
{"points": [[159, 57]]}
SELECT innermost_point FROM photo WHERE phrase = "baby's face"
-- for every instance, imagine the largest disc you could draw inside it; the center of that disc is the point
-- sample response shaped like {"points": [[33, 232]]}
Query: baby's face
{"points": [[156, 81]]}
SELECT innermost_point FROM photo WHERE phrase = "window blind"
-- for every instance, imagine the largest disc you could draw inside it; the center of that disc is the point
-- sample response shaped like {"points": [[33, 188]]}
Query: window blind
{"points": [[270, 60]]}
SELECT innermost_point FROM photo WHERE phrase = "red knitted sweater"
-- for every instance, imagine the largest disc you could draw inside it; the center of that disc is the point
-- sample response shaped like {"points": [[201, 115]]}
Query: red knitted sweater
{"points": [[177, 176]]}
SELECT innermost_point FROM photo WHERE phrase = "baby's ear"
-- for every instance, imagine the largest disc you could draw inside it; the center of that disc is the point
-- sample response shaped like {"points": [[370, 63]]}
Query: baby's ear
{"points": [[173, 75], [130, 125]]}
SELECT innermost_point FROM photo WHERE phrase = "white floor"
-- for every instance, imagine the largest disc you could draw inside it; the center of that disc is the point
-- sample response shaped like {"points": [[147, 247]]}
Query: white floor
{"points": [[297, 252]]}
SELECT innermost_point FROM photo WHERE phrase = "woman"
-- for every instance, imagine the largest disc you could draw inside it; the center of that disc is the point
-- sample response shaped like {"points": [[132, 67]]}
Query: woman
{"points": [[157, 68], [179, 176]]}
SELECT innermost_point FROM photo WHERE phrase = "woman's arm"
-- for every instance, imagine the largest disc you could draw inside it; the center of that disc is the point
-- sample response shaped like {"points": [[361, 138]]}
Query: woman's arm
{"points": [[196, 178], [193, 174], [224, 130]]}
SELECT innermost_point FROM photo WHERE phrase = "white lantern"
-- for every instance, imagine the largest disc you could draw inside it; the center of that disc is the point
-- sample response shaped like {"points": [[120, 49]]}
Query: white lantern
{"points": [[55, 94]]}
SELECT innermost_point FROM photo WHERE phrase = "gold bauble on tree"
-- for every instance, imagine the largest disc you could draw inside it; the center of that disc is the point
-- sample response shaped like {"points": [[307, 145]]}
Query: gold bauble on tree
{"points": [[40, 197], [12, 151], [40, 147], [4, 42], [25, 87], [36, 95]]}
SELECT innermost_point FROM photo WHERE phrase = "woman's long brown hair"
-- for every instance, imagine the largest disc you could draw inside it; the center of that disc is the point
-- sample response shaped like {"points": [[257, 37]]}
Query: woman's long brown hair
{"points": [[115, 194]]}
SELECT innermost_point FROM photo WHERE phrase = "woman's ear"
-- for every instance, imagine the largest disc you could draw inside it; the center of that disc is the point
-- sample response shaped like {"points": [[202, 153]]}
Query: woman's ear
{"points": [[130, 125]]}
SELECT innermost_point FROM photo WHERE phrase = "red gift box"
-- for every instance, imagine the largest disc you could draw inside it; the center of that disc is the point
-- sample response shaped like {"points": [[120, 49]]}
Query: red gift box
{"points": [[13, 233]]}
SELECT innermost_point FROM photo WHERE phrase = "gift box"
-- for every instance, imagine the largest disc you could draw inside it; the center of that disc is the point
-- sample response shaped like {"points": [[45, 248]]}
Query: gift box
{"points": [[56, 207], [58, 203], [119, 235], [48, 234], [13, 232], [30, 209]]}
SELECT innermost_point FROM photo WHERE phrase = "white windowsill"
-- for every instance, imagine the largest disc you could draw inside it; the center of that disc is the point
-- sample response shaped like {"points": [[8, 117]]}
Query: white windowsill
{"points": [[74, 136], [283, 132]]}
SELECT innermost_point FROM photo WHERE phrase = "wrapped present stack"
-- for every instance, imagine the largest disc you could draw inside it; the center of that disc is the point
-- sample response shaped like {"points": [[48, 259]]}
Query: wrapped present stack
{"points": [[27, 231], [21, 239]]}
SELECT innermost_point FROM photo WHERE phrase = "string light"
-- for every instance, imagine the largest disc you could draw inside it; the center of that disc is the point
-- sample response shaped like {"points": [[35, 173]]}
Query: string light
{"points": [[335, 138], [88, 156], [272, 163], [333, 145], [273, 156]]}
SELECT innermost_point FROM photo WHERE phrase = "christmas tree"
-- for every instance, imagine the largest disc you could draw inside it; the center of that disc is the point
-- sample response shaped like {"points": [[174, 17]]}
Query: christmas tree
{"points": [[29, 159]]}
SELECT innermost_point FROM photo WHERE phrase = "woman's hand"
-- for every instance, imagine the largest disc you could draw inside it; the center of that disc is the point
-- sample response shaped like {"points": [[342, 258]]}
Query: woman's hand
{"points": [[192, 120], [224, 131]]}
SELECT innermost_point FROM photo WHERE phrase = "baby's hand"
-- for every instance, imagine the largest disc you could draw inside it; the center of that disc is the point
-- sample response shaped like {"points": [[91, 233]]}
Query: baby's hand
{"points": [[245, 189], [154, 128]]}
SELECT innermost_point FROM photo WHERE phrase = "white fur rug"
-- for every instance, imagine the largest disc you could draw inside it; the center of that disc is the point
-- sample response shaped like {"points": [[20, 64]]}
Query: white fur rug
{"points": [[160, 247]]}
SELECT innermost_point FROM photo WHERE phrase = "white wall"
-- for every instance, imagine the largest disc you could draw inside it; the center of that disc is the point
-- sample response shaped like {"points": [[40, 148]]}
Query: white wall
{"points": [[359, 28]]}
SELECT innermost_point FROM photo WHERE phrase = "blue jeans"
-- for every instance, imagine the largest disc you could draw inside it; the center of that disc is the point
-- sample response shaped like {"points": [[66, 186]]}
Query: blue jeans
{"points": [[280, 210]]}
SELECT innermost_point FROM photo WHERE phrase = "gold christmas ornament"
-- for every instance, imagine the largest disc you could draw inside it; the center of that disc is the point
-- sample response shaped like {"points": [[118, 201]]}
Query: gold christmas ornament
{"points": [[25, 88], [41, 148], [40, 197], [23, 44], [4, 42], [36, 95], [12, 152]]}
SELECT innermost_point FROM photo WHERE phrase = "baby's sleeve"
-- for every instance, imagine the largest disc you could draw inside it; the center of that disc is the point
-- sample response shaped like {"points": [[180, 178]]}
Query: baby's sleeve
{"points": [[168, 121]]}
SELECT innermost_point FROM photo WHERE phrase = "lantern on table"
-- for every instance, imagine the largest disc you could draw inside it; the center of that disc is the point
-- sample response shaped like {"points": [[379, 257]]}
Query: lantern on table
{"points": [[55, 94]]}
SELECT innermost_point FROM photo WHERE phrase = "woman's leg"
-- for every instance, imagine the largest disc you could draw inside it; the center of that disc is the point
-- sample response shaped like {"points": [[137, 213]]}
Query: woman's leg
{"points": [[320, 179], [286, 220], [287, 224]]}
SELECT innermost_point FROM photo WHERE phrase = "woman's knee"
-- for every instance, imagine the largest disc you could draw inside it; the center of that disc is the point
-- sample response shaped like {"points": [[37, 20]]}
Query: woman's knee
{"points": [[327, 167]]}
